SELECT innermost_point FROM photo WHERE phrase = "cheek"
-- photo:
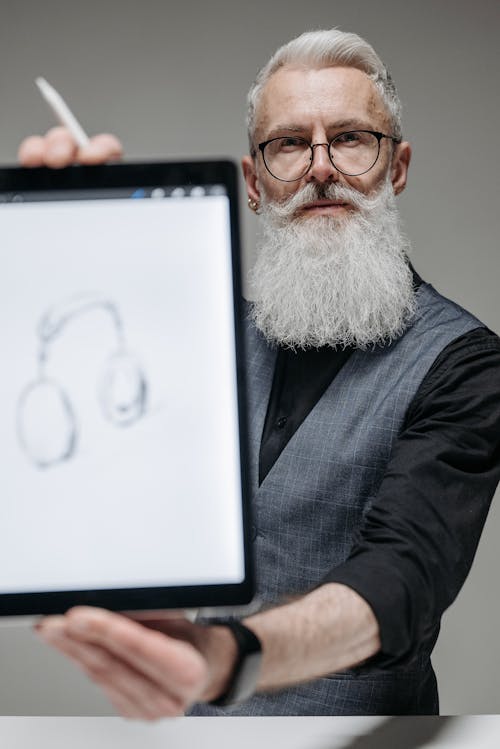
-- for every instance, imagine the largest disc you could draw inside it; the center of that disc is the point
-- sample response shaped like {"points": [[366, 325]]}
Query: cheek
{"points": [[369, 182], [273, 190]]}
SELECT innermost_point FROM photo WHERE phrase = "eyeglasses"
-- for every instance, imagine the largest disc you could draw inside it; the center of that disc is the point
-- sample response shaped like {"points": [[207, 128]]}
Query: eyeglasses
{"points": [[289, 158]]}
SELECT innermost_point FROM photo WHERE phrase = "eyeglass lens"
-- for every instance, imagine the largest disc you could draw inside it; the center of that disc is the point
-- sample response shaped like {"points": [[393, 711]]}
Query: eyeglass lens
{"points": [[352, 153]]}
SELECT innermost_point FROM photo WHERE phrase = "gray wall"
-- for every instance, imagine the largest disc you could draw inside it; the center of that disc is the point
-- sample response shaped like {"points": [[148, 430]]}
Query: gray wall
{"points": [[171, 79]]}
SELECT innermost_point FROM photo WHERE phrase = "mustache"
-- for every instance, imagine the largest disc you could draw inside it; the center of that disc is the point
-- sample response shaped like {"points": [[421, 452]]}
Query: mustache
{"points": [[286, 208]]}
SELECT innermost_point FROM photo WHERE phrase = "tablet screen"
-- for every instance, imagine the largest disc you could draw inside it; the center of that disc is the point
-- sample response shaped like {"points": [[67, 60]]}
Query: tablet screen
{"points": [[120, 440]]}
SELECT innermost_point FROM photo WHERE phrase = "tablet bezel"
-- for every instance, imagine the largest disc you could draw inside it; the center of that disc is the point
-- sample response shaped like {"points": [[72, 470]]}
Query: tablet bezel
{"points": [[16, 181]]}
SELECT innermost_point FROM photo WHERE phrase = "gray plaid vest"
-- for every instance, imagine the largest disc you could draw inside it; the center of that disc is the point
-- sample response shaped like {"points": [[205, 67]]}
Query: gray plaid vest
{"points": [[314, 497]]}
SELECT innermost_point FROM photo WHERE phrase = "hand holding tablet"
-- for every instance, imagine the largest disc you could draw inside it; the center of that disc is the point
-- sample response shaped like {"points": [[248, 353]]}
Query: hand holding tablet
{"points": [[57, 149], [148, 670]]}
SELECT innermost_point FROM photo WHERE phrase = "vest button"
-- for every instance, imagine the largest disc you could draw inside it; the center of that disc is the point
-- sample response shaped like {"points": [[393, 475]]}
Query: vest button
{"points": [[281, 422]]}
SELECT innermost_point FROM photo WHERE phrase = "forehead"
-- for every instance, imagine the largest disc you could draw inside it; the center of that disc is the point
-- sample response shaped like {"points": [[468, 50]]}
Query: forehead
{"points": [[306, 97]]}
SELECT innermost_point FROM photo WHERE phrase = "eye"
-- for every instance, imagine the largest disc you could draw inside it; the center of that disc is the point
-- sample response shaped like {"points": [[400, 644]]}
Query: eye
{"points": [[290, 144], [352, 138]]}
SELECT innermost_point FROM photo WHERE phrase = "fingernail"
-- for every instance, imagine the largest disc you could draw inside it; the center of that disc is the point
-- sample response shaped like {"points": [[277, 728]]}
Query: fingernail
{"points": [[50, 620]]}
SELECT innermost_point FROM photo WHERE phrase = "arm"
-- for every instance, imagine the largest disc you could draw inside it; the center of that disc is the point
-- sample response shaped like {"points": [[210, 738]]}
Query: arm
{"points": [[330, 629], [161, 669], [417, 544]]}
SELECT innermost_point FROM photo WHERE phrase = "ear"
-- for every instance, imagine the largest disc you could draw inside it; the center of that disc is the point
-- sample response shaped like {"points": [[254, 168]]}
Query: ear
{"points": [[251, 179], [399, 167]]}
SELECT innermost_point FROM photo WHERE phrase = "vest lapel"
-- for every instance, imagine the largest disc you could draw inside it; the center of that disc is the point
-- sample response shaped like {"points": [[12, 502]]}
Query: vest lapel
{"points": [[261, 361]]}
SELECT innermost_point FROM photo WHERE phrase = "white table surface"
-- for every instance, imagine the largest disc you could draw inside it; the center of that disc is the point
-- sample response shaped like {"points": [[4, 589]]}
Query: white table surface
{"points": [[457, 732]]}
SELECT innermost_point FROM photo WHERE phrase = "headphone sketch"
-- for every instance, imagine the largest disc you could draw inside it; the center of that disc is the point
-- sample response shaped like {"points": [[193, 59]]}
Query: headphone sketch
{"points": [[46, 420]]}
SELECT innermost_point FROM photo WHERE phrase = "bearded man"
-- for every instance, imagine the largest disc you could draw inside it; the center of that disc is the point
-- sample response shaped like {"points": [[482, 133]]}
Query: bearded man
{"points": [[374, 425]]}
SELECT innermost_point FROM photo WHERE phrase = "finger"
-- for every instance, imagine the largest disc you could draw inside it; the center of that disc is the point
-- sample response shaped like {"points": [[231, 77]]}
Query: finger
{"points": [[153, 711], [100, 149], [174, 665], [122, 706], [133, 695], [60, 148], [31, 151]]}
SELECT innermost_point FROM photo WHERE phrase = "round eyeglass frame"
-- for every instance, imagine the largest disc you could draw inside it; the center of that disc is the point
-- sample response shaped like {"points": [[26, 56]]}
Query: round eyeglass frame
{"points": [[312, 146]]}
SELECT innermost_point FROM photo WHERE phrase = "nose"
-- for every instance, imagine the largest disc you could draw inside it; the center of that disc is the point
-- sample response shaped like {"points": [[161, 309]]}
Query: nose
{"points": [[322, 169]]}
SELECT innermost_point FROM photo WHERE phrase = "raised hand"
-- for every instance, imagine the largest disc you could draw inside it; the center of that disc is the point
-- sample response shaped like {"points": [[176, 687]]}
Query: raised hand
{"points": [[57, 149]]}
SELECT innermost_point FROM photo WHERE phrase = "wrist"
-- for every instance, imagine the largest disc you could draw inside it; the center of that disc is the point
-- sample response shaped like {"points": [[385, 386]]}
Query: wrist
{"points": [[221, 652], [241, 684]]}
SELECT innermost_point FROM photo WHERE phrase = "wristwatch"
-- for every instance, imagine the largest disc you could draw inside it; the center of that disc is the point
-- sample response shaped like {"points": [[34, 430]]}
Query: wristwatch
{"points": [[246, 670]]}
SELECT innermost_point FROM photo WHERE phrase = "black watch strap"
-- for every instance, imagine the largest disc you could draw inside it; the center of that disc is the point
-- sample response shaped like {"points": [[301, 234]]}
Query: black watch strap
{"points": [[246, 669]]}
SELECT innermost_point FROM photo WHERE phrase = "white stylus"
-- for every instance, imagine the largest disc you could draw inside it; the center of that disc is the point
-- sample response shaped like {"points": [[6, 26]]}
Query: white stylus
{"points": [[62, 111]]}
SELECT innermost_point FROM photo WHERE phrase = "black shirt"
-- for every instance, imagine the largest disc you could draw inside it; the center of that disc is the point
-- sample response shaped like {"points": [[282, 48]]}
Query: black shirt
{"points": [[418, 540]]}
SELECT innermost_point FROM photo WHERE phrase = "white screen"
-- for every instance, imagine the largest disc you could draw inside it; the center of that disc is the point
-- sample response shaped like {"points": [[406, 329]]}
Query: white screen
{"points": [[118, 310]]}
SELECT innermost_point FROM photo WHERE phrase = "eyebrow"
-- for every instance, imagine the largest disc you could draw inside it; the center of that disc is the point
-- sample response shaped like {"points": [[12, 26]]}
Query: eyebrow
{"points": [[356, 124], [349, 123]]}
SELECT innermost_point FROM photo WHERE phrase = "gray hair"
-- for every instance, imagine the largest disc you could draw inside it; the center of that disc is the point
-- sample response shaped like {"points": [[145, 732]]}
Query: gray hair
{"points": [[323, 49]]}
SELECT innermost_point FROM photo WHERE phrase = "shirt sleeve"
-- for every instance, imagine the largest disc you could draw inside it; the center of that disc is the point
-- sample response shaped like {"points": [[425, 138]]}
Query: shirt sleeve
{"points": [[417, 543]]}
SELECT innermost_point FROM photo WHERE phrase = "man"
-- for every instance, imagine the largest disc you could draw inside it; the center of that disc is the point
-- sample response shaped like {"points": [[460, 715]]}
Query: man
{"points": [[375, 425]]}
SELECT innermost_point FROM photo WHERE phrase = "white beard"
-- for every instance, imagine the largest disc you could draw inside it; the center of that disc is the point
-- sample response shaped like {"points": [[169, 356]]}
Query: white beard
{"points": [[328, 280]]}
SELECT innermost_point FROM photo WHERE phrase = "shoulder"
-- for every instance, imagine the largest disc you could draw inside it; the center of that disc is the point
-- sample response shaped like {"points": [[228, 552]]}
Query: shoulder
{"points": [[436, 311], [465, 376]]}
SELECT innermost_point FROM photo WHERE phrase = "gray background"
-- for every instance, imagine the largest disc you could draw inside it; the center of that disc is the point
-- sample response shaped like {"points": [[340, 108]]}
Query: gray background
{"points": [[171, 80]]}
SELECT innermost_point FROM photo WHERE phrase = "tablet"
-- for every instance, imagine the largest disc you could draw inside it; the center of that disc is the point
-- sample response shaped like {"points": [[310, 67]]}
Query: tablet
{"points": [[122, 438]]}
